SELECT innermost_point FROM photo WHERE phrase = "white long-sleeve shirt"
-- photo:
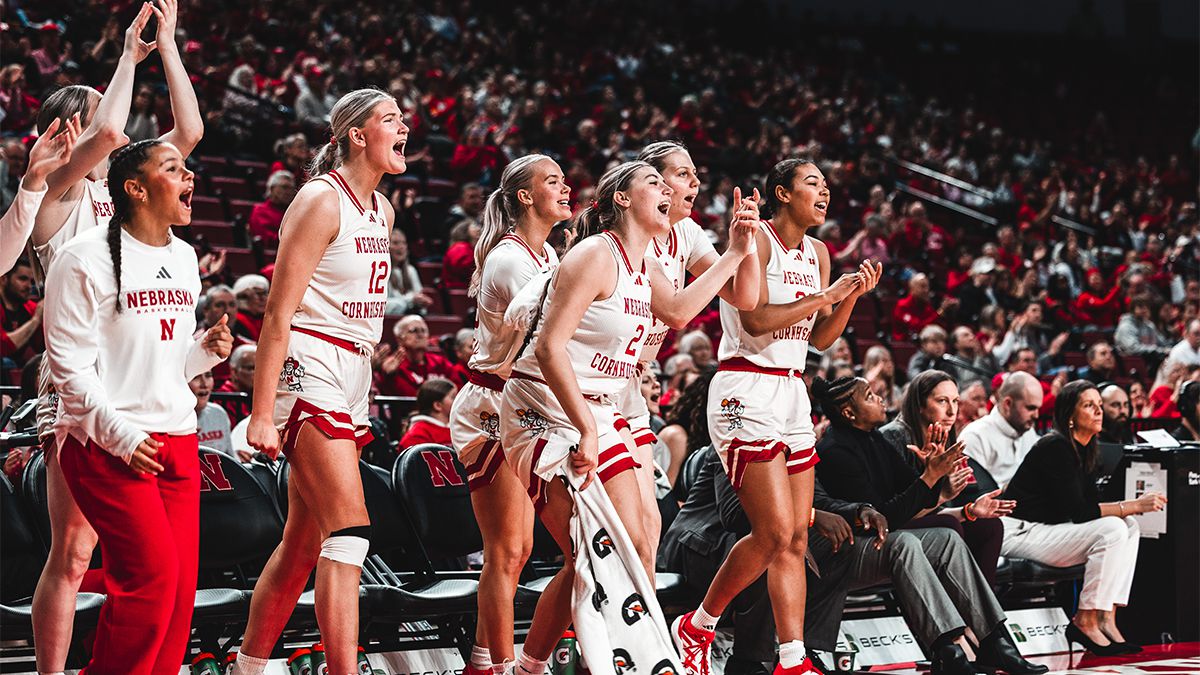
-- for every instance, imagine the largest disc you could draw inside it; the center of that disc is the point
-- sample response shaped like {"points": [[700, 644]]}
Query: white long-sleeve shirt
{"points": [[121, 377], [17, 224], [991, 441]]}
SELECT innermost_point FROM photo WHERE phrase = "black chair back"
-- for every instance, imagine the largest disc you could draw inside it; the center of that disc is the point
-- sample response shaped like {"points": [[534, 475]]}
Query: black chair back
{"points": [[239, 519], [690, 471], [22, 554], [433, 486], [33, 484]]}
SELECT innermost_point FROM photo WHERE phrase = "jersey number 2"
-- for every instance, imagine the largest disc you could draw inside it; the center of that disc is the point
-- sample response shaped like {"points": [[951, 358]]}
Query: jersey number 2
{"points": [[379, 274], [630, 350]]}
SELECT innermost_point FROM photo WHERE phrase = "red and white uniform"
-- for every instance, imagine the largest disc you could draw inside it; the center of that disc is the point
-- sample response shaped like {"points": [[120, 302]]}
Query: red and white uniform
{"points": [[758, 405], [475, 416], [604, 351], [684, 246], [326, 377], [93, 210]]}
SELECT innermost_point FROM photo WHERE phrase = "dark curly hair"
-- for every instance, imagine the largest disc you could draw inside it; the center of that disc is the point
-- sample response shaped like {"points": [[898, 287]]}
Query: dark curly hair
{"points": [[690, 411]]}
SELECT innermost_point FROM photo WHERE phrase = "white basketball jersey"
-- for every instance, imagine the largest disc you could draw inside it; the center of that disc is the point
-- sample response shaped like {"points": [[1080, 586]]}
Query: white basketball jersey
{"points": [[684, 245], [508, 267], [605, 349], [347, 294], [791, 275], [94, 209]]}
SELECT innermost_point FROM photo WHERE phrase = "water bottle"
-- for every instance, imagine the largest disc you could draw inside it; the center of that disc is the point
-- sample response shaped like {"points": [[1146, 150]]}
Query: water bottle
{"points": [[566, 655], [206, 664], [300, 662], [318, 660]]}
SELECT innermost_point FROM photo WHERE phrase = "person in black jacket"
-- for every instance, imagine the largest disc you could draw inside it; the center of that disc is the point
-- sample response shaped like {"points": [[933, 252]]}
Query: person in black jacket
{"points": [[935, 576], [1059, 520], [928, 415]]}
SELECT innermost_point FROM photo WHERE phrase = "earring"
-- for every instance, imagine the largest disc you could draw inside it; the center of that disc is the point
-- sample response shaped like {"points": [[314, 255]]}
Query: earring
{"points": [[1071, 424]]}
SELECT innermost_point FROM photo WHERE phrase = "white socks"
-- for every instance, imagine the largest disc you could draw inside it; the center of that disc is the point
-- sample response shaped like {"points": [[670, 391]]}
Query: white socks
{"points": [[791, 654], [248, 665], [481, 658], [703, 620], [531, 665]]}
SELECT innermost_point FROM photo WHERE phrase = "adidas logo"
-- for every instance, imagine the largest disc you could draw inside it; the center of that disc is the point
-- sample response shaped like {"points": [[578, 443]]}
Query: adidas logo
{"points": [[162, 273]]}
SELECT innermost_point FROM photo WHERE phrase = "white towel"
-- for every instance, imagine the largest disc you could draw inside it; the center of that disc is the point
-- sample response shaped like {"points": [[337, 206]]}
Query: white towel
{"points": [[618, 622], [524, 306]]}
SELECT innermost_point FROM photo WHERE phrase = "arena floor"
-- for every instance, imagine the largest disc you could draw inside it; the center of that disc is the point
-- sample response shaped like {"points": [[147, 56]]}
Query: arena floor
{"points": [[1173, 659]]}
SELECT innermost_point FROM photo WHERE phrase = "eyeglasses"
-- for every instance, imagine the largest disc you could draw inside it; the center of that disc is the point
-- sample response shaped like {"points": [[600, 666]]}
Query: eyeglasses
{"points": [[418, 330]]}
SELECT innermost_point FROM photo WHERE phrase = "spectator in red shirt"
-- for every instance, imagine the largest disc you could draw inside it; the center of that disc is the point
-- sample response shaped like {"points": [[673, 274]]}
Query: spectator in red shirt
{"points": [[1008, 249], [464, 348], [266, 216], [915, 311], [294, 155], [921, 239], [1097, 306], [20, 317], [459, 263], [19, 105], [241, 379], [251, 292], [404, 370], [431, 424]]}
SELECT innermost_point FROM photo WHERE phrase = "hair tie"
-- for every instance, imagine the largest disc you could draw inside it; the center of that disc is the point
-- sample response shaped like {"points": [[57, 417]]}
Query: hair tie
{"points": [[333, 140], [595, 204]]}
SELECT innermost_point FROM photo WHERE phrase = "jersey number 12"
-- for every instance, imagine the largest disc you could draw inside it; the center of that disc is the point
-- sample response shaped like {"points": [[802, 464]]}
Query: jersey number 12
{"points": [[379, 275]]}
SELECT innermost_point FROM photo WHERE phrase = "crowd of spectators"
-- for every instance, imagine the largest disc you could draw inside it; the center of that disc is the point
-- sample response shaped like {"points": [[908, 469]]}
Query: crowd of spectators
{"points": [[1062, 244]]}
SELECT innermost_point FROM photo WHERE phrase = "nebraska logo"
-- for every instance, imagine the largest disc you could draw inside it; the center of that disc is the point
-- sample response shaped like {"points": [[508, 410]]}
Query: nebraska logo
{"points": [[602, 544], [732, 409], [532, 420], [622, 661], [212, 474], [441, 468], [168, 329], [490, 423], [633, 609], [291, 374]]}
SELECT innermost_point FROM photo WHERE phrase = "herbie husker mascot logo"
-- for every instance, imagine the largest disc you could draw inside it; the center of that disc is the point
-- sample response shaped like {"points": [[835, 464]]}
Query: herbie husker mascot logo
{"points": [[532, 420], [292, 372], [732, 409], [490, 423]]}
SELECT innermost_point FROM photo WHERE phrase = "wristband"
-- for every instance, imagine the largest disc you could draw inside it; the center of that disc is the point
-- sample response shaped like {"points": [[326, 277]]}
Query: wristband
{"points": [[966, 510], [1121, 505], [812, 517]]}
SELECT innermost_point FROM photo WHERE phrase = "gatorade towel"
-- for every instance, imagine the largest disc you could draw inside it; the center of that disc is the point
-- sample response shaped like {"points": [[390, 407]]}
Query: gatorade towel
{"points": [[618, 622]]}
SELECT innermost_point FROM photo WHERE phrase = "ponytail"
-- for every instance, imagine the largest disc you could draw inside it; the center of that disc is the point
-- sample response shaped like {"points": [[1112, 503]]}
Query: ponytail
{"points": [[351, 111], [604, 214], [125, 165], [502, 211]]}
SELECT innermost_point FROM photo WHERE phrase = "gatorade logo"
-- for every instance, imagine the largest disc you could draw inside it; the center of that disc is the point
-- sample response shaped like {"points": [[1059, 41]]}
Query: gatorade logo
{"points": [[602, 544], [664, 667], [633, 609], [622, 661], [599, 598]]}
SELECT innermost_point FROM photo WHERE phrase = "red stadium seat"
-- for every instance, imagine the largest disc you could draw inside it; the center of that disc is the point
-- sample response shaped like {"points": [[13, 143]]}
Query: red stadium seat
{"points": [[460, 304], [240, 261], [207, 208], [216, 232], [240, 207], [231, 187], [429, 272], [440, 324]]}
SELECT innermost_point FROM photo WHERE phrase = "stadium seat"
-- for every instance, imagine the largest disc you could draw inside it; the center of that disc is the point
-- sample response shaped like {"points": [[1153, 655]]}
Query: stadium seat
{"points": [[460, 304], [440, 324], [429, 273], [231, 187], [240, 207], [208, 208], [691, 470], [216, 232], [22, 557]]}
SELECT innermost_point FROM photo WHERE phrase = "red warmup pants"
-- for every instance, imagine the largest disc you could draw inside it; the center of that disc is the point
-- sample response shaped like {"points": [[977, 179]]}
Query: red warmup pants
{"points": [[149, 538]]}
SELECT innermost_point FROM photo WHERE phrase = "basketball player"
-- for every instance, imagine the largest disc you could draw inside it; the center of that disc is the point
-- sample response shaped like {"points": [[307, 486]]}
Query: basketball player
{"points": [[685, 249], [759, 414], [313, 376], [511, 250], [121, 304], [597, 313], [51, 150], [77, 200]]}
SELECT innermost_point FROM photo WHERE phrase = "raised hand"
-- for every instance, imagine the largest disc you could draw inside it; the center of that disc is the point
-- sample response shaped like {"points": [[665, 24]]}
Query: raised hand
{"points": [[52, 150], [959, 478], [942, 463], [134, 45], [843, 287], [167, 12], [218, 340], [870, 274]]}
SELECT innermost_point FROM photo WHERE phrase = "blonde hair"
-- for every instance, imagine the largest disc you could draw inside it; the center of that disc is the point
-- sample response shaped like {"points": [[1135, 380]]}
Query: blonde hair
{"points": [[502, 211], [350, 112], [604, 213]]}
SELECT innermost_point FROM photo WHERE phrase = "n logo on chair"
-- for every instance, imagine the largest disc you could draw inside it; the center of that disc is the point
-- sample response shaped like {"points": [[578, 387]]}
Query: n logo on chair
{"points": [[441, 468], [212, 474]]}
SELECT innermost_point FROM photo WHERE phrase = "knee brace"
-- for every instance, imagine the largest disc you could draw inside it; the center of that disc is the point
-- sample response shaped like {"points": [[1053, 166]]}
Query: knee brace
{"points": [[348, 545]]}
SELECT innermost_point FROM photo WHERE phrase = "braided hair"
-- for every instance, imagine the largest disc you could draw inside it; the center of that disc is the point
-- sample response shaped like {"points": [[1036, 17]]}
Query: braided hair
{"points": [[126, 164], [833, 396]]}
